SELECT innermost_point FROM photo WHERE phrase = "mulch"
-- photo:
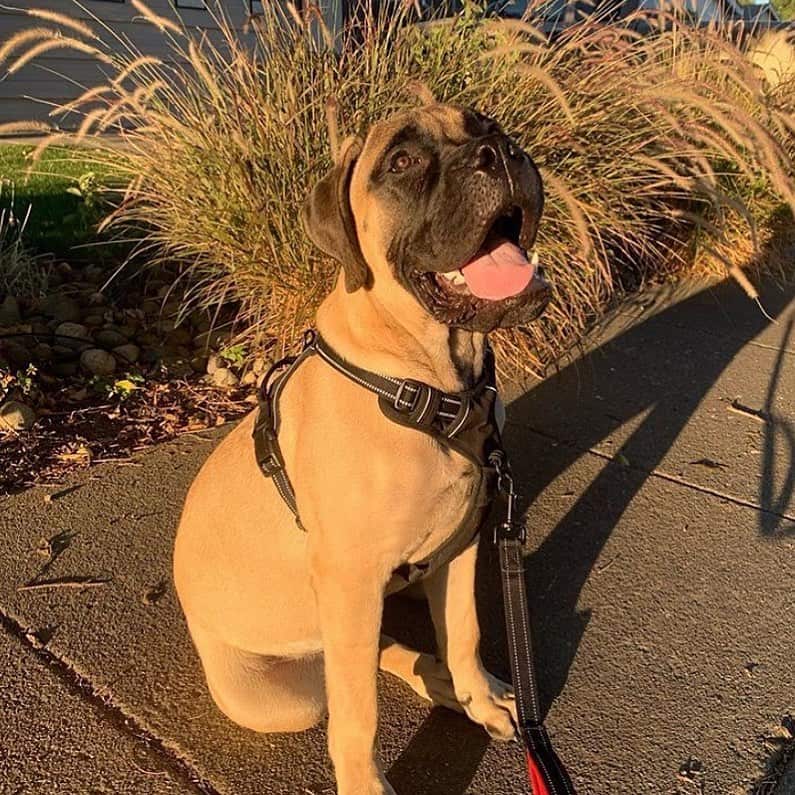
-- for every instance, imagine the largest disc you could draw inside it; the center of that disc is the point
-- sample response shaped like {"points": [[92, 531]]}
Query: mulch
{"points": [[77, 427]]}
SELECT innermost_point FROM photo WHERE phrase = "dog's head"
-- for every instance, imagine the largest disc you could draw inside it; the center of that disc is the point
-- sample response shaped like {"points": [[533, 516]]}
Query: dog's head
{"points": [[440, 203]]}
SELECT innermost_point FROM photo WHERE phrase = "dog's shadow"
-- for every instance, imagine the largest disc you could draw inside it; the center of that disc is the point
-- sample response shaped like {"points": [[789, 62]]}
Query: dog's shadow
{"points": [[587, 401]]}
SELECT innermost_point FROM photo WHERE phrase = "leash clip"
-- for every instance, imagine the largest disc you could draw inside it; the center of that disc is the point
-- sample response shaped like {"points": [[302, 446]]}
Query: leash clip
{"points": [[510, 529]]}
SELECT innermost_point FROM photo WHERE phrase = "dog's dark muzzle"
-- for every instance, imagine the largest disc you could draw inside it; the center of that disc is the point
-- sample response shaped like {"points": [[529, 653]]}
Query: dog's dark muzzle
{"points": [[498, 191]]}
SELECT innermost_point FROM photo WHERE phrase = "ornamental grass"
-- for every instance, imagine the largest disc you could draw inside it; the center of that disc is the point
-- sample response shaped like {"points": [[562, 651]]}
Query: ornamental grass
{"points": [[665, 151]]}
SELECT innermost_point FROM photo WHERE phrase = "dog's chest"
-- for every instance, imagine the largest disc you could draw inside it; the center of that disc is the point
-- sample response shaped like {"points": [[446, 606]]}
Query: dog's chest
{"points": [[445, 501]]}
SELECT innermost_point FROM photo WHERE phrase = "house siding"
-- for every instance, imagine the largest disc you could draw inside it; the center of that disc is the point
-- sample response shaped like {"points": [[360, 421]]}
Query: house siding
{"points": [[61, 75]]}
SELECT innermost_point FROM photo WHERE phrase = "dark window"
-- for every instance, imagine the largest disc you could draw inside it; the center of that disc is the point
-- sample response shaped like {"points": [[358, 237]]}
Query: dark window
{"points": [[255, 7], [190, 4]]}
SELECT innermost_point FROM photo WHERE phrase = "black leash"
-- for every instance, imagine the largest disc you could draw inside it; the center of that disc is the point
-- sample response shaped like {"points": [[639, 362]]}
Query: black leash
{"points": [[546, 772]]}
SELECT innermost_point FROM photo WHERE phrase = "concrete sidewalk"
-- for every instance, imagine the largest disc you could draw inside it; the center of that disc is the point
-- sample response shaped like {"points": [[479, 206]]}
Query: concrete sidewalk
{"points": [[662, 553]]}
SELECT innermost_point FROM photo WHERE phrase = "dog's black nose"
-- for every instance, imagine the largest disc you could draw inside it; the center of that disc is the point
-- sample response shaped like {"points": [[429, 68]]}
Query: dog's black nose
{"points": [[491, 153]]}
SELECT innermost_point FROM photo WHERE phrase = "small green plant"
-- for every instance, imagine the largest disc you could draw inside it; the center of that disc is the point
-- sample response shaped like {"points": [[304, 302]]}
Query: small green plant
{"points": [[234, 354], [88, 212], [121, 388], [20, 384], [87, 189], [25, 380], [124, 387]]}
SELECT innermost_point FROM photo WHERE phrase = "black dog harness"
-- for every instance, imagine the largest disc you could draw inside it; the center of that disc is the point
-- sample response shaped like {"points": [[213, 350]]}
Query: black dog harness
{"points": [[462, 421], [465, 422]]}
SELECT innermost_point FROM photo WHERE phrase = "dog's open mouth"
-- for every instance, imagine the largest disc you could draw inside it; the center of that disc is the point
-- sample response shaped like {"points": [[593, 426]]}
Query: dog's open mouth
{"points": [[499, 271]]}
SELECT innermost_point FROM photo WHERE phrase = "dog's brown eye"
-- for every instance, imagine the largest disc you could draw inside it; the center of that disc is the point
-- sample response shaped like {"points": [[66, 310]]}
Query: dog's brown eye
{"points": [[400, 162]]}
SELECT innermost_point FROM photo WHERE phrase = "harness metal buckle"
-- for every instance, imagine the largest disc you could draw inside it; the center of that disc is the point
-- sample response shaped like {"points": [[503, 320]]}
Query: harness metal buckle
{"points": [[269, 465], [409, 405], [310, 336]]}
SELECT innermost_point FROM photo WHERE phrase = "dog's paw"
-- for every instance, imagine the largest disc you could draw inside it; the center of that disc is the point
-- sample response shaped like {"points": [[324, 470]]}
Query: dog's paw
{"points": [[432, 681], [427, 676], [491, 703]]}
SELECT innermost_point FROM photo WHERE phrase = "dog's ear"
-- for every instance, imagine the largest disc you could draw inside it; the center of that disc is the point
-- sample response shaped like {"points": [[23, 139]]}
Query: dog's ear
{"points": [[328, 218]]}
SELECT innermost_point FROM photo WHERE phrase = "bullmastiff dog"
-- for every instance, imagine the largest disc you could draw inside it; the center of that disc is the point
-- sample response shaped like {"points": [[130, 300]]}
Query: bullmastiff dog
{"points": [[432, 217]]}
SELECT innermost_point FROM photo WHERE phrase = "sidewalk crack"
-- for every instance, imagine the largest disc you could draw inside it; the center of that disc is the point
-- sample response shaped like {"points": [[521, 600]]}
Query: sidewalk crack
{"points": [[179, 768], [656, 473]]}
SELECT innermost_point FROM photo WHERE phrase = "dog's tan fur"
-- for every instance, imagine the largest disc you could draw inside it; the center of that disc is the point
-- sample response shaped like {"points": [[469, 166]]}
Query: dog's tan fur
{"points": [[287, 624]]}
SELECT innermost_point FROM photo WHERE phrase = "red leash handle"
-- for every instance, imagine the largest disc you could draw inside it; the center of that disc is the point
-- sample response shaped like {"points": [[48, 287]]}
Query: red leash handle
{"points": [[537, 784], [546, 772]]}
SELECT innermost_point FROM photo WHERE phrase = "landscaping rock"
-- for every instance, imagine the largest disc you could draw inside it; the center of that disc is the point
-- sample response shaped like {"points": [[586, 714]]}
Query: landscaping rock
{"points": [[260, 365], [93, 320], [151, 307], [129, 328], [38, 326], [9, 312], [63, 353], [199, 364], [16, 354], [69, 335], [93, 274], [109, 337], [43, 352], [172, 308], [150, 356], [97, 299], [179, 336], [146, 338], [98, 362], [165, 326], [16, 416], [213, 363], [64, 369], [61, 307], [200, 319], [223, 376], [129, 353]]}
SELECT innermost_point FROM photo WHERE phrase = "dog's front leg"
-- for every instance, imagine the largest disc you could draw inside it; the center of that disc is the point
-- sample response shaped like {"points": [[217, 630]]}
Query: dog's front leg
{"points": [[451, 596], [350, 597]]}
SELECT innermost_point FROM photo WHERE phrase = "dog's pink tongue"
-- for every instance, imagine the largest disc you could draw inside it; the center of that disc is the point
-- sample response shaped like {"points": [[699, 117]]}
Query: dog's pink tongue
{"points": [[499, 273]]}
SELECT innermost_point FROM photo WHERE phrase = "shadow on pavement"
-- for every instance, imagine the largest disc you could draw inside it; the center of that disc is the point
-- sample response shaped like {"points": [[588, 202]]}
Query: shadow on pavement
{"points": [[775, 455], [647, 372]]}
